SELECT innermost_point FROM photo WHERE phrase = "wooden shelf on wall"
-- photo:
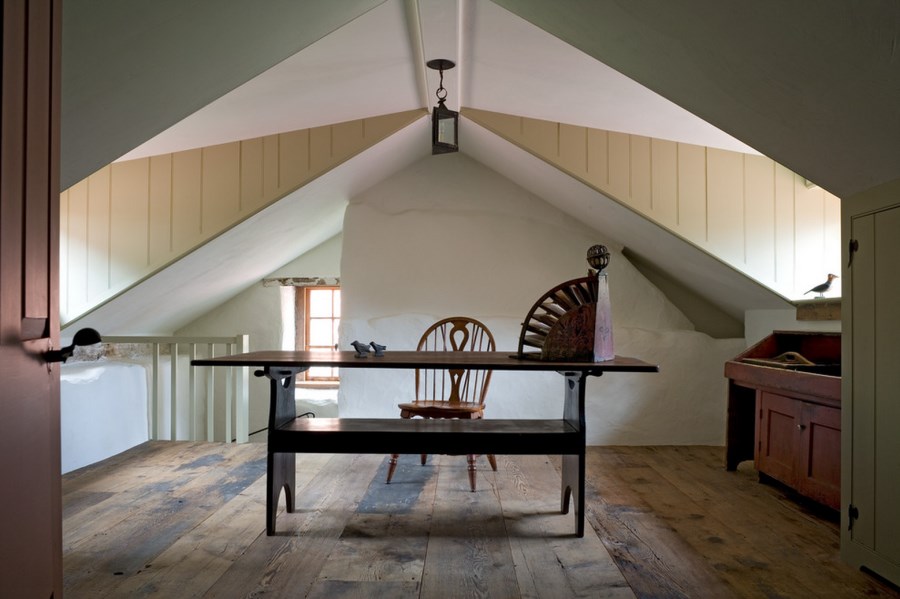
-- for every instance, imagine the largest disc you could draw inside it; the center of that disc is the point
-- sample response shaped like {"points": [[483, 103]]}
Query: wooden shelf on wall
{"points": [[819, 309]]}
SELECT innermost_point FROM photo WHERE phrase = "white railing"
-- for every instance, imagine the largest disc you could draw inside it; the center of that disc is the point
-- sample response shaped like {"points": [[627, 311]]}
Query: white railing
{"points": [[236, 385]]}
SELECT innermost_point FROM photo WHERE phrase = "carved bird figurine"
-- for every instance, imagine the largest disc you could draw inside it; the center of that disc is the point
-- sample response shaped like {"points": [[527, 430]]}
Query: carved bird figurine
{"points": [[821, 289], [362, 349], [379, 349]]}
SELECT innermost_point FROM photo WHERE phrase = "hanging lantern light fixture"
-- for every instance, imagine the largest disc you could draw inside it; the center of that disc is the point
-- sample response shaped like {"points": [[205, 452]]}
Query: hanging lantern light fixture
{"points": [[444, 122]]}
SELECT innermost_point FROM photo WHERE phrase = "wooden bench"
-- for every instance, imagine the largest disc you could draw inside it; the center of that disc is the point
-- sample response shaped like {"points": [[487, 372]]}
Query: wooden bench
{"points": [[289, 435], [416, 436]]}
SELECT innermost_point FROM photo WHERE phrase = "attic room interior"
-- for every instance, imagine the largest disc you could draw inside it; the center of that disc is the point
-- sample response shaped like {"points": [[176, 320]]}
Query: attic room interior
{"points": [[217, 163]]}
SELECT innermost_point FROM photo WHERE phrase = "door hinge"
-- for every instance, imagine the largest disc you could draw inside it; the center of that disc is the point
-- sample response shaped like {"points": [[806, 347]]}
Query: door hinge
{"points": [[851, 250], [852, 515]]}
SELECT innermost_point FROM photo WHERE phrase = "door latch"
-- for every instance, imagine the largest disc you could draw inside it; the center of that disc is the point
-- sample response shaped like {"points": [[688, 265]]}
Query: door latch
{"points": [[82, 337]]}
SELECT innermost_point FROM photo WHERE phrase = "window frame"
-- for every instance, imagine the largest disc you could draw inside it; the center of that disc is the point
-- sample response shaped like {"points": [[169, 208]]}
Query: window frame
{"points": [[302, 315]]}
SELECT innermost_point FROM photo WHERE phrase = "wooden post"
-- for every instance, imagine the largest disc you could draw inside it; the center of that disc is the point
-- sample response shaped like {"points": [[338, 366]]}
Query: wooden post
{"points": [[242, 390]]}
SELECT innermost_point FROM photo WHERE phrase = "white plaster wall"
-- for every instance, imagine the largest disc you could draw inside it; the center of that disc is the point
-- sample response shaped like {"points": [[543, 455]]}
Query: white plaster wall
{"points": [[105, 407], [103, 411], [759, 324], [321, 261], [448, 236], [257, 311]]}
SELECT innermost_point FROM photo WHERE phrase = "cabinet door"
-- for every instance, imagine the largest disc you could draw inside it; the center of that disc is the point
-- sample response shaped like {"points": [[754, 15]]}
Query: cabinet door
{"points": [[777, 446], [870, 397], [820, 454]]}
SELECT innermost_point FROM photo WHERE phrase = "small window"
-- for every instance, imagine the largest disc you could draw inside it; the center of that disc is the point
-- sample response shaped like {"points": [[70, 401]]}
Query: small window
{"points": [[321, 317]]}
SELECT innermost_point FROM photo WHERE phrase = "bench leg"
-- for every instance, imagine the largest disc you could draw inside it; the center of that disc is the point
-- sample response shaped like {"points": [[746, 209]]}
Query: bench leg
{"points": [[573, 464], [281, 472], [573, 485]]}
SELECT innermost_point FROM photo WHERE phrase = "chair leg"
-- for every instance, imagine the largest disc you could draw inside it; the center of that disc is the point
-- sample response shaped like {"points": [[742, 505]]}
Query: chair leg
{"points": [[493, 461], [472, 470], [392, 465]]}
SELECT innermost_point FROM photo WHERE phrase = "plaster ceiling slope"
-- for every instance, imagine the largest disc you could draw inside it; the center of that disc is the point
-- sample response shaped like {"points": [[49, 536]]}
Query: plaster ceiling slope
{"points": [[360, 70], [375, 65], [514, 67], [814, 86], [132, 69]]}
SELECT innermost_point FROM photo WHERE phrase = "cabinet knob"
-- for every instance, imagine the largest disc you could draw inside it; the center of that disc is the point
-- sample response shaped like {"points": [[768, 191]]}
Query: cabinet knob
{"points": [[801, 427]]}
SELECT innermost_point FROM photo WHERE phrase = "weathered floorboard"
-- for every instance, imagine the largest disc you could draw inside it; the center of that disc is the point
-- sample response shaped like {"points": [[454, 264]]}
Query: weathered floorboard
{"points": [[655, 562], [468, 553], [549, 560], [133, 526], [188, 520], [288, 563], [382, 548], [759, 522]]}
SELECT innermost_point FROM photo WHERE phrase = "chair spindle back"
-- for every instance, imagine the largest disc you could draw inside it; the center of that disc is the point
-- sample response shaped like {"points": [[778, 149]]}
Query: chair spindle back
{"points": [[457, 333]]}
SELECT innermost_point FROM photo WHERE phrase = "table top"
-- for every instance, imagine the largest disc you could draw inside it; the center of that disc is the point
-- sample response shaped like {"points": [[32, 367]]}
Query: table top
{"points": [[422, 359]]}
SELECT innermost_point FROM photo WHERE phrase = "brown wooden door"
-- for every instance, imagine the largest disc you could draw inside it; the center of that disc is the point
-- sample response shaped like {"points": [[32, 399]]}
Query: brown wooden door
{"points": [[30, 511]]}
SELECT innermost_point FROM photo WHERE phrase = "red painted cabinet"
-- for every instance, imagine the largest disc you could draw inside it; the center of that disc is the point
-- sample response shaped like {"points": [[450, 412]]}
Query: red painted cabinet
{"points": [[784, 412], [799, 443]]}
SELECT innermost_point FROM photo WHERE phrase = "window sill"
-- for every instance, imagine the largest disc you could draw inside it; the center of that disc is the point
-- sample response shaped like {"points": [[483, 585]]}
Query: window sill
{"points": [[318, 385]]}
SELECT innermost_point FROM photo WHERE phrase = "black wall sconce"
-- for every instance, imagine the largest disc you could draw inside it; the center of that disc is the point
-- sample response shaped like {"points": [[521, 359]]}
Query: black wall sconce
{"points": [[444, 122]]}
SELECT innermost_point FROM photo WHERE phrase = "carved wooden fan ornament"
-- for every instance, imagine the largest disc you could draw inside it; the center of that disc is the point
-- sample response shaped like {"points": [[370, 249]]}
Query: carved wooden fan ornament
{"points": [[572, 321]]}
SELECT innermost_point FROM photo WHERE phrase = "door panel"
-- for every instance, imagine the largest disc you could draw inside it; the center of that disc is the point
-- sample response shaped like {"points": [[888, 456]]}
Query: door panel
{"points": [[870, 534], [30, 511], [861, 406], [820, 449], [778, 447], [887, 386]]}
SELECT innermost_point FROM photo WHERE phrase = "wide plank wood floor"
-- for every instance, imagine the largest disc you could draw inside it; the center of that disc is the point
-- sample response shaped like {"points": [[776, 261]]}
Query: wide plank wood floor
{"points": [[188, 520]]}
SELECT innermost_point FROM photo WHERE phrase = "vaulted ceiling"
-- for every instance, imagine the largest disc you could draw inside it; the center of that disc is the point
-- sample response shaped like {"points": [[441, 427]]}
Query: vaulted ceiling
{"points": [[375, 64], [813, 88]]}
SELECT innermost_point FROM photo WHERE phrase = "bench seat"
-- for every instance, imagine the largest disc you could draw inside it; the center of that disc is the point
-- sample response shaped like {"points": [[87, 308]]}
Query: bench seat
{"points": [[419, 435], [422, 435]]}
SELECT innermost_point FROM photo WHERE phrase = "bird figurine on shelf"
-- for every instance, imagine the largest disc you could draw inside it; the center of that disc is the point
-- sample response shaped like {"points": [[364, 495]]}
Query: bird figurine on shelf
{"points": [[379, 349], [362, 349], [820, 290]]}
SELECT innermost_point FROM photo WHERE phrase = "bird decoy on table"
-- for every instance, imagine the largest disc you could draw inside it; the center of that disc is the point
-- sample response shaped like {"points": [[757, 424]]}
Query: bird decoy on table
{"points": [[362, 349], [379, 349], [820, 290]]}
